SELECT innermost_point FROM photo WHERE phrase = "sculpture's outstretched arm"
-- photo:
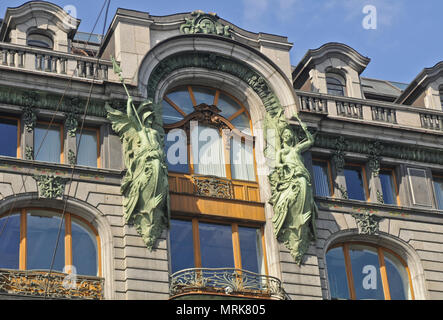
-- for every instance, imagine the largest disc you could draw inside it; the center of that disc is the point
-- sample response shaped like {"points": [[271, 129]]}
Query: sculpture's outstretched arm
{"points": [[309, 142]]}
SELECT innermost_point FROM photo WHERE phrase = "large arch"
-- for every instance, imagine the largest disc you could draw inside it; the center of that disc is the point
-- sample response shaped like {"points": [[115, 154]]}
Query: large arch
{"points": [[83, 210], [248, 74]]}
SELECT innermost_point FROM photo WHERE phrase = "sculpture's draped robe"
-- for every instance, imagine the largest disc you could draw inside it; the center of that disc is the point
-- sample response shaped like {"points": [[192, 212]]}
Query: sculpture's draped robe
{"points": [[145, 184]]}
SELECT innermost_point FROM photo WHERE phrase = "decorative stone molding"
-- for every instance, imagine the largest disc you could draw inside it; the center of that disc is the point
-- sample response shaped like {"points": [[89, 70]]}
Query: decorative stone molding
{"points": [[339, 153], [71, 158], [29, 153], [367, 222], [30, 100], [50, 186], [71, 121], [207, 23], [213, 187], [375, 149]]}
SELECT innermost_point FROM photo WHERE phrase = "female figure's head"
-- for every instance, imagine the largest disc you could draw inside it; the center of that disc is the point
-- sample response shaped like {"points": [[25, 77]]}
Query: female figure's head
{"points": [[289, 138]]}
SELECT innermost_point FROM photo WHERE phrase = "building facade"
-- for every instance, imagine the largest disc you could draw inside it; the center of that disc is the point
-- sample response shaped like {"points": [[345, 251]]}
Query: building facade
{"points": [[80, 217]]}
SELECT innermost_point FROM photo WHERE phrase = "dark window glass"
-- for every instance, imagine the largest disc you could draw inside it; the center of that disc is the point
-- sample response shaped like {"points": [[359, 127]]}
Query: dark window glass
{"points": [[227, 105], [8, 134], [388, 187], [335, 86], [397, 277], [216, 245], [250, 248], [170, 115], [338, 284], [438, 188], [241, 122], [10, 241], [47, 143], [366, 273], [182, 246], [321, 178], [176, 151], [182, 99], [87, 150], [84, 249], [354, 183], [203, 95], [42, 231]]}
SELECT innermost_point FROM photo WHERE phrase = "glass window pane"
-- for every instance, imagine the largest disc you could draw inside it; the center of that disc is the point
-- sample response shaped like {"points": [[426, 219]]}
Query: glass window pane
{"points": [[338, 283], [84, 249], [182, 245], [397, 277], [242, 160], [438, 188], [366, 273], [50, 149], [176, 151], [182, 99], [42, 230], [321, 178], [354, 183], [387, 186], [227, 105], [170, 115], [203, 95], [208, 154], [241, 122], [250, 249], [8, 132], [87, 150], [216, 245], [10, 241]]}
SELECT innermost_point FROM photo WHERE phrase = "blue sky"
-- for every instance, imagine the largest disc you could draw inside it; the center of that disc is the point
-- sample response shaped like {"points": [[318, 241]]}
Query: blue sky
{"points": [[407, 37]]}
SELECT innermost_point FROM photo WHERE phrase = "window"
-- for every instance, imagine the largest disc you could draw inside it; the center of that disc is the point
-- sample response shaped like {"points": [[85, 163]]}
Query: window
{"points": [[356, 183], [335, 84], [441, 99], [438, 189], [209, 132], [201, 244], [322, 178], [39, 39], [10, 129], [88, 153], [48, 142], [29, 237], [389, 186], [361, 271]]}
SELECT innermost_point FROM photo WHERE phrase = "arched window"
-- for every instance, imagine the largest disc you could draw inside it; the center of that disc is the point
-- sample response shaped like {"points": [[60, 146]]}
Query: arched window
{"points": [[28, 238], [208, 132], [39, 39], [335, 84], [363, 271]]}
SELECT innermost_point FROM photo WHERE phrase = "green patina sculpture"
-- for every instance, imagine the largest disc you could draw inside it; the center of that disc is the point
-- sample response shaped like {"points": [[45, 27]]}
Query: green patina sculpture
{"points": [[207, 23], [292, 196], [145, 184]]}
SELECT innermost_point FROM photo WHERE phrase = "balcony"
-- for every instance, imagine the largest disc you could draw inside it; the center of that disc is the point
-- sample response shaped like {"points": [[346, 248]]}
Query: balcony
{"points": [[24, 58], [377, 112], [225, 283], [57, 285]]}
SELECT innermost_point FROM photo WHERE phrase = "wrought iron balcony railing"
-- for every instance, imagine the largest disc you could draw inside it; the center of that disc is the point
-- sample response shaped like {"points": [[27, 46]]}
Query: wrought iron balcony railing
{"points": [[56, 285], [226, 281]]}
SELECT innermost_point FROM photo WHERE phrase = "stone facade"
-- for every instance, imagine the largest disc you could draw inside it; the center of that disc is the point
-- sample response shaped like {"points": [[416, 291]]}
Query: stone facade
{"points": [[409, 127]]}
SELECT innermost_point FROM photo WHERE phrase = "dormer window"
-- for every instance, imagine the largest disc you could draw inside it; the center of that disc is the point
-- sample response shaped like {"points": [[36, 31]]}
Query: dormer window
{"points": [[441, 98], [40, 39], [335, 84]]}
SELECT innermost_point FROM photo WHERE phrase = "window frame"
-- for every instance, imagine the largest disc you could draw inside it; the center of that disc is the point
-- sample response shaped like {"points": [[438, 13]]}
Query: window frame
{"points": [[226, 142], [341, 79], [330, 178], [97, 131], [440, 177], [394, 181], [18, 153], [67, 238], [383, 274], [364, 177], [235, 239], [49, 125]]}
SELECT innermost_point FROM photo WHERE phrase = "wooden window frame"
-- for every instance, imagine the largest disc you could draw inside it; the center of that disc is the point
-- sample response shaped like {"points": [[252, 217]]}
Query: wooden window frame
{"points": [[97, 131], [330, 180], [67, 238], [235, 239], [18, 153], [381, 258], [62, 137], [394, 181], [226, 147], [364, 176]]}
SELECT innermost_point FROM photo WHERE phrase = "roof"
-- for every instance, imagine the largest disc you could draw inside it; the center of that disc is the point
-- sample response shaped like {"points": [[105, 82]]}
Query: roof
{"points": [[88, 37], [382, 87]]}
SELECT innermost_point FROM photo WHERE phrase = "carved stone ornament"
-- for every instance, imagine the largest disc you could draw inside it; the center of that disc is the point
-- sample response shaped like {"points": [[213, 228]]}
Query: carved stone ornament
{"points": [[29, 117], [29, 153], [50, 186], [71, 121], [71, 157], [375, 149], [339, 154], [213, 187], [206, 23], [367, 222]]}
